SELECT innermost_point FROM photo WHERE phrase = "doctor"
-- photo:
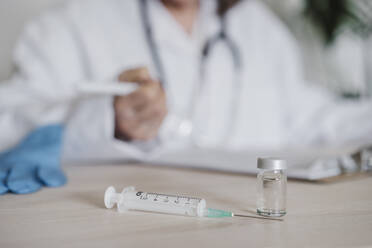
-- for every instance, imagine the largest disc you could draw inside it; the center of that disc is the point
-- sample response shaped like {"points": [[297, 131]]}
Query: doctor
{"points": [[210, 73]]}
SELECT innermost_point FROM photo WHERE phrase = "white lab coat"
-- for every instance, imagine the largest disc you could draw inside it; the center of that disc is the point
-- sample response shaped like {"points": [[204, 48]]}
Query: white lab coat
{"points": [[96, 40]]}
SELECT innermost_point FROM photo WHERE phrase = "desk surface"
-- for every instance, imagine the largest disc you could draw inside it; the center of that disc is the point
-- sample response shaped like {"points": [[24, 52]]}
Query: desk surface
{"points": [[319, 215]]}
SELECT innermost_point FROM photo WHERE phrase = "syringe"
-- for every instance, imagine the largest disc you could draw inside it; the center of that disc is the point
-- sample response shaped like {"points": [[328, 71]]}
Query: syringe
{"points": [[131, 199]]}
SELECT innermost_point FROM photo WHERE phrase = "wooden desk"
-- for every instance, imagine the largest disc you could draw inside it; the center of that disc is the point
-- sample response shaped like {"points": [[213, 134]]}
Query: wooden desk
{"points": [[319, 215]]}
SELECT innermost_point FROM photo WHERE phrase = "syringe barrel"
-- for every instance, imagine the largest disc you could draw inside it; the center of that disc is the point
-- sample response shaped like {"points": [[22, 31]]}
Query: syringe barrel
{"points": [[161, 203]]}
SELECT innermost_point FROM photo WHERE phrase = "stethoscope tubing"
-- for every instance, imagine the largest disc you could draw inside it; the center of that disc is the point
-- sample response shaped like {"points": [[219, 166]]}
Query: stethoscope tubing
{"points": [[221, 36]]}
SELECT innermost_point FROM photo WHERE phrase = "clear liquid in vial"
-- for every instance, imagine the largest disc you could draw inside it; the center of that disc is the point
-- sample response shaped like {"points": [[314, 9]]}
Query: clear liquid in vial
{"points": [[271, 191]]}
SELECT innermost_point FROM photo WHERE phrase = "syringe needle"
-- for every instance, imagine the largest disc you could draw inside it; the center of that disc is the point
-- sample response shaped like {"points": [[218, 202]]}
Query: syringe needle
{"points": [[256, 217]]}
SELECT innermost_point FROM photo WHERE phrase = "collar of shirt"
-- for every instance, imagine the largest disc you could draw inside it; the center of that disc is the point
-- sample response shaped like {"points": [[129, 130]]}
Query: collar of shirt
{"points": [[164, 24]]}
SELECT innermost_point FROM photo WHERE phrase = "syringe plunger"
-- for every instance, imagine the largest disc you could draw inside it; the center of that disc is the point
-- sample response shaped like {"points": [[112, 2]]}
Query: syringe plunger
{"points": [[112, 198]]}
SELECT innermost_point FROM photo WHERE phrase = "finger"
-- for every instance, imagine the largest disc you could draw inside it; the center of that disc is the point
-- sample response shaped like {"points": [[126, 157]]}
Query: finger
{"points": [[133, 130], [135, 75], [148, 91], [126, 111], [157, 110], [129, 106], [3, 188], [51, 177], [145, 130], [135, 100], [148, 94], [149, 130], [145, 123], [134, 118], [22, 179]]}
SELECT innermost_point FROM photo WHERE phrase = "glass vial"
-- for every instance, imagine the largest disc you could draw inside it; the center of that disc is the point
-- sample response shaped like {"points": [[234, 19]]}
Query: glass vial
{"points": [[271, 187]]}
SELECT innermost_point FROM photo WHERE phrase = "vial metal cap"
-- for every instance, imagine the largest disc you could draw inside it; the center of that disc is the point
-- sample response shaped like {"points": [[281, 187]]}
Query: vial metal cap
{"points": [[272, 163]]}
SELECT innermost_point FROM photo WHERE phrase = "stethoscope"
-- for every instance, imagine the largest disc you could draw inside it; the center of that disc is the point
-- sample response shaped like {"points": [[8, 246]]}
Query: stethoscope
{"points": [[221, 36]]}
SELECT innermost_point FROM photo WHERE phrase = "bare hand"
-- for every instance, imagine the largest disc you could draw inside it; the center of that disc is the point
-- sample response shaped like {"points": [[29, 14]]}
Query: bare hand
{"points": [[138, 116]]}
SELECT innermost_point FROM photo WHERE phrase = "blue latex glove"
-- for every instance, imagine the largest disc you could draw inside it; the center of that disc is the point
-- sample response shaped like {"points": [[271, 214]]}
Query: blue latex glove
{"points": [[34, 162]]}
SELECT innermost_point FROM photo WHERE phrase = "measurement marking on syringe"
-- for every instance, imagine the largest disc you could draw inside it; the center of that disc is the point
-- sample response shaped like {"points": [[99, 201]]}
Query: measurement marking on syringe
{"points": [[175, 196]]}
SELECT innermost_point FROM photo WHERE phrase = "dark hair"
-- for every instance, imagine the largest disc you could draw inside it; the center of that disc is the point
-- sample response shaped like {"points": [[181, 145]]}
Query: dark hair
{"points": [[225, 5]]}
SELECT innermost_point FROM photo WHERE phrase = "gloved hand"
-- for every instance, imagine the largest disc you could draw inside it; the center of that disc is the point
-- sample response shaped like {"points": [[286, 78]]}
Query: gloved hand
{"points": [[34, 162]]}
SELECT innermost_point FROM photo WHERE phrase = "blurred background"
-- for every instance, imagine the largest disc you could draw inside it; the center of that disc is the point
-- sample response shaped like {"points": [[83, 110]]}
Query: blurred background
{"points": [[333, 37]]}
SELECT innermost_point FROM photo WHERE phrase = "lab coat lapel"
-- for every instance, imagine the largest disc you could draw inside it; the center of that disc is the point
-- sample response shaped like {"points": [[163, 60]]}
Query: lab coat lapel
{"points": [[163, 24]]}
